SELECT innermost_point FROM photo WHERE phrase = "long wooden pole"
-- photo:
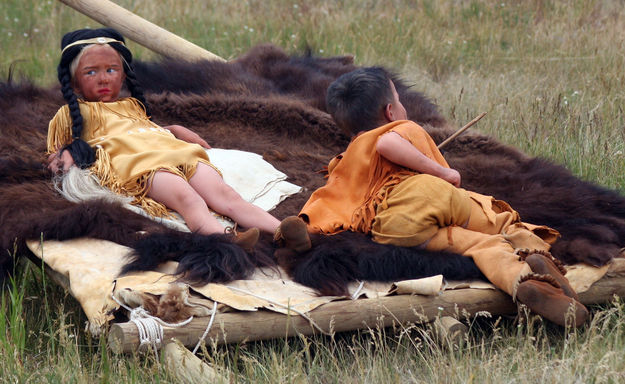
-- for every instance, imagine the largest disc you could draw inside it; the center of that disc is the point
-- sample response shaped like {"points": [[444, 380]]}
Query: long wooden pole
{"points": [[340, 316], [140, 30]]}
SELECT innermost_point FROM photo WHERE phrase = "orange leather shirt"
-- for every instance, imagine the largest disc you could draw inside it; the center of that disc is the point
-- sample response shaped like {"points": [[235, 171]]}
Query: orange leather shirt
{"points": [[359, 179]]}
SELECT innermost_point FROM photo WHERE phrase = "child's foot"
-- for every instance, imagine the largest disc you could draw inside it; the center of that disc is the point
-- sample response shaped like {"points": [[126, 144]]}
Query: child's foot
{"points": [[551, 303], [246, 239], [292, 233], [544, 265]]}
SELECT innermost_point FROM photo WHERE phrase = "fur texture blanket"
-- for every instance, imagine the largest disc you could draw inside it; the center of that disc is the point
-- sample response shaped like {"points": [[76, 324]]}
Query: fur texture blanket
{"points": [[273, 104]]}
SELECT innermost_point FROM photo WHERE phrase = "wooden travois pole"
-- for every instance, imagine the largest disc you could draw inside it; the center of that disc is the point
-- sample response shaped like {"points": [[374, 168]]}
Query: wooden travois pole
{"points": [[347, 315], [140, 30], [336, 316]]}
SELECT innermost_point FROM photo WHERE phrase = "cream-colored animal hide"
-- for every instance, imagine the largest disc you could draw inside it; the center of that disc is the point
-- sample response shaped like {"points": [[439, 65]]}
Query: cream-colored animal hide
{"points": [[91, 267]]}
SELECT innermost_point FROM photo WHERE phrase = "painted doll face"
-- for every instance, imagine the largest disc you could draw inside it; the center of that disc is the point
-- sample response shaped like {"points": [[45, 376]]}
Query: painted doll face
{"points": [[99, 75]]}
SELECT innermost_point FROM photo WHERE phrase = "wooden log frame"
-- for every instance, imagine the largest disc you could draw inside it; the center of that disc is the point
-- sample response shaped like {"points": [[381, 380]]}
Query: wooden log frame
{"points": [[140, 30], [340, 316]]}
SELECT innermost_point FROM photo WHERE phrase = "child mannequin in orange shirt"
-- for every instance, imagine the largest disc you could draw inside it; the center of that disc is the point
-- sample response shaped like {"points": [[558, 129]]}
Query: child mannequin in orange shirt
{"points": [[393, 183]]}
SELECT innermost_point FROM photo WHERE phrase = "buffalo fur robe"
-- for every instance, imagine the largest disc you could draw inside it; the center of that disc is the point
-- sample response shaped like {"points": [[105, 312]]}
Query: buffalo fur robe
{"points": [[274, 104]]}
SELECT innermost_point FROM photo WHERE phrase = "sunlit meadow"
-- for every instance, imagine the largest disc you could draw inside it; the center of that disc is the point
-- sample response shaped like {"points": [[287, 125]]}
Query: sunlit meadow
{"points": [[550, 74]]}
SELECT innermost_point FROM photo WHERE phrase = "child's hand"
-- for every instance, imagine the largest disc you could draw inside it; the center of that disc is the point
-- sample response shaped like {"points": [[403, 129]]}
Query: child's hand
{"points": [[187, 135], [194, 138], [60, 162], [452, 176]]}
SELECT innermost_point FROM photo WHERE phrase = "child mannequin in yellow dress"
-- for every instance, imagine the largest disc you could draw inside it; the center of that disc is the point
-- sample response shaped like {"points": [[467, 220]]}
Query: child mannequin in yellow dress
{"points": [[160, 167]]}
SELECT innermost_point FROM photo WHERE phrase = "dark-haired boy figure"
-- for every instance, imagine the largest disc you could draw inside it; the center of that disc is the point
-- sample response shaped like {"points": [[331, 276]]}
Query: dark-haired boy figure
{"points": [[393, 183]]}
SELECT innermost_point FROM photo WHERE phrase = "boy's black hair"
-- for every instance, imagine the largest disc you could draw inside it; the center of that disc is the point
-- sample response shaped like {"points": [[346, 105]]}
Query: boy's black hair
{"points": [[81, 152], [356, 100]]}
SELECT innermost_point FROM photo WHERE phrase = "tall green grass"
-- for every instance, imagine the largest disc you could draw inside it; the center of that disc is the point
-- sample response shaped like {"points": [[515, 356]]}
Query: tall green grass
{"points": [[550, 74]]}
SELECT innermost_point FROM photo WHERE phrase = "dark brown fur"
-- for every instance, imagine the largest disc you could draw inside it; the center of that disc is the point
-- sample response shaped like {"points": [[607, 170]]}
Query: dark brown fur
{"points": [[273, 104]]}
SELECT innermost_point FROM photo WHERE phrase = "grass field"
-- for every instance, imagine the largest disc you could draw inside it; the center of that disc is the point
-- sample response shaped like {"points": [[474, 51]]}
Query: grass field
{"points": [[550, 74]]}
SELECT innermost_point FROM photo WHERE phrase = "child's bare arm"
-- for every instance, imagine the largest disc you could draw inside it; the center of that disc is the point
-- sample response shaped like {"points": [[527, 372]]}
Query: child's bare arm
{"points": [[187, 135], [400, 151]]}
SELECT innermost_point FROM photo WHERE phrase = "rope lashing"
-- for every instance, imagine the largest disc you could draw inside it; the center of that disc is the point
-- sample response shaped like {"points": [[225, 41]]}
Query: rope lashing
{"points": [[150, 327], [208, 327]]}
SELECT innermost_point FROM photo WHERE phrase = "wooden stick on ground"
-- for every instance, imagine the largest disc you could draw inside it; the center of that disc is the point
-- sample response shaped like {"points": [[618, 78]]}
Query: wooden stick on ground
{"points": [[140, 30], [458, 132], [188, 368]]}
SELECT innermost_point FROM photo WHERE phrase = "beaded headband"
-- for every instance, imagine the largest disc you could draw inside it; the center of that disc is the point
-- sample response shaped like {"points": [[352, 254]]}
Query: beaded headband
{"points": [[95, 40]]}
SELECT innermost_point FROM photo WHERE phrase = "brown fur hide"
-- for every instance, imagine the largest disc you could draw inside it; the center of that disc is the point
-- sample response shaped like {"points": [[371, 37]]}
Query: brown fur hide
{"points": [[273, 104]]}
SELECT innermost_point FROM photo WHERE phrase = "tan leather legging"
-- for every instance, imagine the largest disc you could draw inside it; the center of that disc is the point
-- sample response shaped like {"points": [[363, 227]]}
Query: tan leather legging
{"points": [[428, 211]]}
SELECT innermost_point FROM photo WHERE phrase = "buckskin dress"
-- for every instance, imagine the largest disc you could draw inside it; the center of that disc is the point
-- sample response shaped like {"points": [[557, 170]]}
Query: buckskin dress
{"points": [[129, 148]]}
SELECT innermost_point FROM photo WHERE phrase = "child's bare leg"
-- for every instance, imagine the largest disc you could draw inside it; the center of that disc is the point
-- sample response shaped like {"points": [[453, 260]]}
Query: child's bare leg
{"points": [[176, 193], [225, 200]]}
